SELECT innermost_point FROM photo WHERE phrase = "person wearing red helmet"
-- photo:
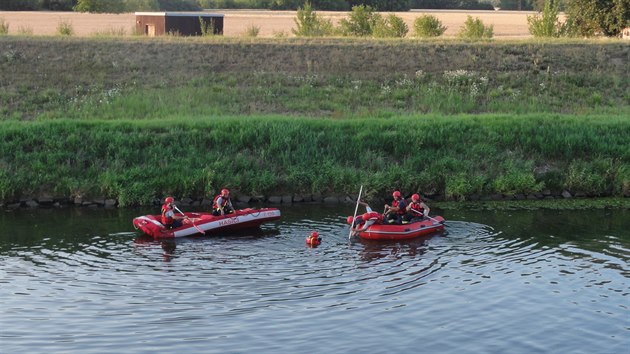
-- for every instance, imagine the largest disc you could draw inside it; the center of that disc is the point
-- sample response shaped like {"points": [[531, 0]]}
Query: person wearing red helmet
{"points": [[313, 239], [416, 210], [362, 222], [222, 204], [394, 212], [169, 219]]}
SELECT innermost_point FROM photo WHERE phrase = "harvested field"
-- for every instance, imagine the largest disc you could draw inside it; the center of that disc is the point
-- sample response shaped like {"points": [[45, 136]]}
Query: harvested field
{"points": [[507, 24]]}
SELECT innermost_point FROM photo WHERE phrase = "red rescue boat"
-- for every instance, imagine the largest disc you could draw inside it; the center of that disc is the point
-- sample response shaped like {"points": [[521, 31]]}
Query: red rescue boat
{"points": [[206, 223], [392, 232]]}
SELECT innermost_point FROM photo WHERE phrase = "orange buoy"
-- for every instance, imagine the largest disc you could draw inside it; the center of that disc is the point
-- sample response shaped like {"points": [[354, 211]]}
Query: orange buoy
{"points": [[313, 239]]}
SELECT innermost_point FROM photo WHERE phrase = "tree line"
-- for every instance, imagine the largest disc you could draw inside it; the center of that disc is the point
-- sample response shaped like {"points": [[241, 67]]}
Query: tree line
{"points": [[585, 17]]}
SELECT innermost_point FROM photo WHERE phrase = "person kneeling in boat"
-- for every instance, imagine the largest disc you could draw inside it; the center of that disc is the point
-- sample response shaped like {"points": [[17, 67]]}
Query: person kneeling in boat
{"points": [[394, 212], [416, 210], [169, 219], [222, 204]]}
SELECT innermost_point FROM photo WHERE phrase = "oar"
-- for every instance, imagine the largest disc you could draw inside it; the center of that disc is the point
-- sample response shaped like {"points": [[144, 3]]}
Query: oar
{"points": [[192, 222], [427, 215], [356, 208]]}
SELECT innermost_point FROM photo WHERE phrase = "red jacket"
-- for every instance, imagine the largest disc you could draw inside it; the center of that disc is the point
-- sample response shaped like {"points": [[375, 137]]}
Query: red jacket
{"points": [[167, 219]]}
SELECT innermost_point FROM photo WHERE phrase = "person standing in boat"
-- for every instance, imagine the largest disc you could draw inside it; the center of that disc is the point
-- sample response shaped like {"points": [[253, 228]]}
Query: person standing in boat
{"points": [[416, 210], [394, 212], [169, 219], [222, 204]]}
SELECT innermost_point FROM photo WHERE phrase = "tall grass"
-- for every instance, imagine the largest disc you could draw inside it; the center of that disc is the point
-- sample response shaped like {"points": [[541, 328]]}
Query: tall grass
{"points": [[457, 157], [4, 27]]}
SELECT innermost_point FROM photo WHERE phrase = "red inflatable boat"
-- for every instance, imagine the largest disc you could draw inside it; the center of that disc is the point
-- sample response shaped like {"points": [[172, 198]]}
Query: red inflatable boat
{"points": [[203, 223], [394, 232]]}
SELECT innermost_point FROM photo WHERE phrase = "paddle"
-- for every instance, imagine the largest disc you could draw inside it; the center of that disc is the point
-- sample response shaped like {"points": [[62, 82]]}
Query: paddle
{"points": [[192, 222], [356, 208], [427, 215]]}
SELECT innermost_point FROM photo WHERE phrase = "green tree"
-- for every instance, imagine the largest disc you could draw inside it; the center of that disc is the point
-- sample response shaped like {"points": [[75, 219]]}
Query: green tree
{"points": [[100, 6], [142, 5], [516, 5], [19, 5], [383, 5], [57, 5], [591, 17], [332, 5]]}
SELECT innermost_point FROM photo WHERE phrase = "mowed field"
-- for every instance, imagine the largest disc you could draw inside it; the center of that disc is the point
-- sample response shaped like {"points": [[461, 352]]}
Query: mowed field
{"points": [[507, 24]]}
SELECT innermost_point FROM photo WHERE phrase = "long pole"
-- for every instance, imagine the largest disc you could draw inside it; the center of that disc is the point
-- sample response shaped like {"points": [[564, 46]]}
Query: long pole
{"points": [[356, 208]]}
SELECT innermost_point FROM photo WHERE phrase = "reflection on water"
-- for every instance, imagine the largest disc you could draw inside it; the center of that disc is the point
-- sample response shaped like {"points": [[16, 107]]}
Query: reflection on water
{"points": [[518, 281]]}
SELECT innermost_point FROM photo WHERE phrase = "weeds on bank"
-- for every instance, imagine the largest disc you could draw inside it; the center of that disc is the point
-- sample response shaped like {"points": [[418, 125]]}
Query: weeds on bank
{"points": [[4, 27], [457, 156]]}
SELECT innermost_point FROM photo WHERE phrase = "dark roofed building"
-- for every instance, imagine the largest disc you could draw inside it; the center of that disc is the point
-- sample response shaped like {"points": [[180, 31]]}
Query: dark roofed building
{"points": [[180, 23]]}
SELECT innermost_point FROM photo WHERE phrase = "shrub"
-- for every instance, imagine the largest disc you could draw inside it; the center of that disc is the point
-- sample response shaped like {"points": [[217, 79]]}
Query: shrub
{"points": [[252, 31], [428, 26], [65, 28], [475, 29], [390, 27], [310, 25], [546, 24], [360, 23]]}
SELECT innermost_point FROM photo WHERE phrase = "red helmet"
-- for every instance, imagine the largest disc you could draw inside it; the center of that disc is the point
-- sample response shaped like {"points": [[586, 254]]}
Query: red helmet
{"points": [[225, 191], [349, 220], [415, 197], [169, 200], [396, 194], [314, 234]]}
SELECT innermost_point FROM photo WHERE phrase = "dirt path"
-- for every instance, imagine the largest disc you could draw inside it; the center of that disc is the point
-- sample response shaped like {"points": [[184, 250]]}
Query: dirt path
{"points": [[507, 24]]}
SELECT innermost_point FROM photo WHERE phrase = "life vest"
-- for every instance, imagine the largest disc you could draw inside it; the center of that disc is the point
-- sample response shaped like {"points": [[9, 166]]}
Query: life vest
{"points": [[372, 216], [417, 206], [401, 206], [313, 239], [167, 214], [215, 204]]}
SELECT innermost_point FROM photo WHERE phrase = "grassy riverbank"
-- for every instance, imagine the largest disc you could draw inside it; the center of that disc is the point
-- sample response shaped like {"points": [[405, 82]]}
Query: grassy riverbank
{"points": [[137, 119], [454, 156]]}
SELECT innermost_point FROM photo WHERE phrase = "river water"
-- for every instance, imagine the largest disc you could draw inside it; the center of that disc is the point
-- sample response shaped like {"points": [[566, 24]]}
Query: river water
{"points": [[521, 281]]}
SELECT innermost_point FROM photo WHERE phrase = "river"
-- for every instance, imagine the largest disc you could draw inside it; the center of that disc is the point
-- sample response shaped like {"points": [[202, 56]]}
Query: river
{"points": [[82, 280]]}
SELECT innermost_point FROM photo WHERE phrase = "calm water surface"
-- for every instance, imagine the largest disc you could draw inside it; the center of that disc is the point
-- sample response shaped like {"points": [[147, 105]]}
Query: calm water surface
{"points": [[82, 280]]}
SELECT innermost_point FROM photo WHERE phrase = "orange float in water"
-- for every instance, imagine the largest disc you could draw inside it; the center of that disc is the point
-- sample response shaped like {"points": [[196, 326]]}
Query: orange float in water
{"points": [[313, 239]]}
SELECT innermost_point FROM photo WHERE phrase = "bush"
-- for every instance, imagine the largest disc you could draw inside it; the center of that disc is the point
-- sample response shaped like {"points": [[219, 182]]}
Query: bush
{"points": [[65, 28], [309, 24], [252, 31], [360, 23], [428, 26], [390, 27], [546, 24], [475, 29]]}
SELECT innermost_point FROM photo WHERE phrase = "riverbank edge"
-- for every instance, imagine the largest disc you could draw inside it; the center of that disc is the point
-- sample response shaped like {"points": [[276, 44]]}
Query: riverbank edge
{"points": [[243, 201]]}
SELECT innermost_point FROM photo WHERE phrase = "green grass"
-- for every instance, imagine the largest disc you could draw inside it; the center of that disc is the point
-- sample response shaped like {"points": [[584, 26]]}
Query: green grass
{"points": [[457, 156], [135, 119]]}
